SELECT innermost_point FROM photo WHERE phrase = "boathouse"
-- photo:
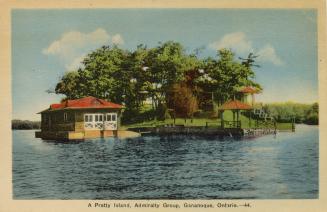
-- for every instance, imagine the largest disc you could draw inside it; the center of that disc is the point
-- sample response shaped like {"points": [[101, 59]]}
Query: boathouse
{"points": [[87, 117]]}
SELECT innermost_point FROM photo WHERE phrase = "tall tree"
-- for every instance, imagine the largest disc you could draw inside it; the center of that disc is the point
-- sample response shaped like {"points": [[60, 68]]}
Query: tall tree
{"points": [[129, 77], [224, 76], [68, 85]]}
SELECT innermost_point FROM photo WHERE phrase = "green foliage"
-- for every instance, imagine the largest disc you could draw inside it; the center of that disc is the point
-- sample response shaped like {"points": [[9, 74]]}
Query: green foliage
{"points": [[225, 76], [162, 112], [303, 113], [68, 85], [312, 115], [131, 77], [24, 124]]}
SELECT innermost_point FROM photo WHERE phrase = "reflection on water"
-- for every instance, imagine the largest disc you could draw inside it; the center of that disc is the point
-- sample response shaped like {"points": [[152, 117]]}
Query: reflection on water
{"points": [[285, 166]]}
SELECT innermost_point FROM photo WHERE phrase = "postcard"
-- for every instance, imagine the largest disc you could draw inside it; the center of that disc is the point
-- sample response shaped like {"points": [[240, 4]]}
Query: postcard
{"points": [[163, 105]]}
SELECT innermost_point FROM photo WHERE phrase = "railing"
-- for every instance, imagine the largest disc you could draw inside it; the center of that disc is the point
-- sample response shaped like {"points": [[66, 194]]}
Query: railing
{"points": [[232, 124], [264, 124]]}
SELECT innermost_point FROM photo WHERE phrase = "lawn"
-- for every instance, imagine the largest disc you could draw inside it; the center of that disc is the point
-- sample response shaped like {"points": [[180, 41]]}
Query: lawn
{"points": [[210, 122]]}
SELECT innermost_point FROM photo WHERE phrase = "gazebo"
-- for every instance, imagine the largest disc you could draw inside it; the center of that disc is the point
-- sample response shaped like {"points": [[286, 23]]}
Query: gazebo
{"points": [[235, 106], [246, 91]]}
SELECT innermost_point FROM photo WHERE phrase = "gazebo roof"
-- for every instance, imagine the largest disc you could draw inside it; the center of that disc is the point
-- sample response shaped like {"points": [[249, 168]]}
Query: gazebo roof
{"points": [[249, 89], [235, 105]]}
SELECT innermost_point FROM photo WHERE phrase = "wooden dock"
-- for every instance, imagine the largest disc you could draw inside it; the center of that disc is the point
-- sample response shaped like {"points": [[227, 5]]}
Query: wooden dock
{"points": [[258, 132], [181, 130], [202, 131]]}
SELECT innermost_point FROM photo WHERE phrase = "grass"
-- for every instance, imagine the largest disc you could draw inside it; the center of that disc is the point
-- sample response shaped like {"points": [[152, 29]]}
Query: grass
{"points": [[178, 121], [212, 122], [284, 126]]}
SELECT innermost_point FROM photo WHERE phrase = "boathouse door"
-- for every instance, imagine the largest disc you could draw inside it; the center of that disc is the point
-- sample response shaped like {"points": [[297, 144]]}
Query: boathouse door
{"points": [[110, 121]]}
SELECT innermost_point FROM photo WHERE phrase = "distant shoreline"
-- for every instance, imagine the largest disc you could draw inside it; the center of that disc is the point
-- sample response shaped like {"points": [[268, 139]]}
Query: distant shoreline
{"points": [[17, 124]]}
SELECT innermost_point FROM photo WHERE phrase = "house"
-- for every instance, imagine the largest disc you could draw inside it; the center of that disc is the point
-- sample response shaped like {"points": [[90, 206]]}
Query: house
{"points": [[77, 119]]}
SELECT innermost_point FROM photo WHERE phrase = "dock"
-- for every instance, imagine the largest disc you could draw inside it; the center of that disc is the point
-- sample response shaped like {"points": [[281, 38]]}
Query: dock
{"points": [[201, 131]]}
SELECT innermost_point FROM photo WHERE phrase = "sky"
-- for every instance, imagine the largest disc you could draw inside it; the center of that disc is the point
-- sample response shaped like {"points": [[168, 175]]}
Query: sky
{"points": [[48, 43]]}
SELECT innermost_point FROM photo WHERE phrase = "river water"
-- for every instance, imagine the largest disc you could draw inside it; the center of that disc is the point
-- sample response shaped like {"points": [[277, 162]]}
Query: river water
{"points": [[284, 166]]}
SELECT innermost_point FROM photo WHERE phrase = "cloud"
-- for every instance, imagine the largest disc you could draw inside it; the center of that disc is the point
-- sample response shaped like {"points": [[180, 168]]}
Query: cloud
{"points": [[72, 42], [75, 64], [268, 54], [236, 41], [239, 43], [72, 46], [117, 39]]}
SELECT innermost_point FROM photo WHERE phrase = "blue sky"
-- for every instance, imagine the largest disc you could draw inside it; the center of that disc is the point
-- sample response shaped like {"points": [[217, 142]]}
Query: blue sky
{"points": [[47, 43]]}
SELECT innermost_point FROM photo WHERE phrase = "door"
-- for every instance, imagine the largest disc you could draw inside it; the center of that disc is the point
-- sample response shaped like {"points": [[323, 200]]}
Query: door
{"points": [[93, 121], [110, 121]]}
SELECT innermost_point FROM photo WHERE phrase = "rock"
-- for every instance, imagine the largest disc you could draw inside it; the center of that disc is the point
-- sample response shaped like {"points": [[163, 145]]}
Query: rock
{"points": [[127, 134]]}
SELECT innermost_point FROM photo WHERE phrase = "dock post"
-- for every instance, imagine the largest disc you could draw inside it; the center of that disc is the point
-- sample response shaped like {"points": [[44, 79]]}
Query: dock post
{"points": [[222, 120]]}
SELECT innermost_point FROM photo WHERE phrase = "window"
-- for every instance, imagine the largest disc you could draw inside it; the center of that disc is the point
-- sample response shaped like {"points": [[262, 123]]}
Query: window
{"points": [[111, 117], [65, 116], [95, 117], [88, 118]]}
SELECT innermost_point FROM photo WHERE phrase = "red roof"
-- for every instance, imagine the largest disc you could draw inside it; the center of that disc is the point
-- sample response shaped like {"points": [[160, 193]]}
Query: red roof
{"points": [[249, 90], [235, 105], [86, 102]]}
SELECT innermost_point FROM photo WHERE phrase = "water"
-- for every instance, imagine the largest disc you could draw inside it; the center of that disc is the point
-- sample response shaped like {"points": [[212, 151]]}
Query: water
{"points": [[268, 167]]}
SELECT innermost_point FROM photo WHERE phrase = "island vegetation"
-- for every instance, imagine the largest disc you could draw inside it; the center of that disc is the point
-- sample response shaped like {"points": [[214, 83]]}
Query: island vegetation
{"points": [[172, 81], [165, 83], [17, 124], [302, 113]]}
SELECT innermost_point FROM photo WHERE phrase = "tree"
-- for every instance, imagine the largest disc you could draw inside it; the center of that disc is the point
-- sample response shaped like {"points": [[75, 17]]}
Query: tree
{"points": [[312, 115], [224, 76], [68, 85], [183, 101], [103, 76], [130, 77], [249, 61]]}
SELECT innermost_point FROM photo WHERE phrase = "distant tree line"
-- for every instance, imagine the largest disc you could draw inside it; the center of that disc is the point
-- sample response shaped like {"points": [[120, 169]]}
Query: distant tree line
{"points": [[165, 75], [24, 124], [302, 113]]}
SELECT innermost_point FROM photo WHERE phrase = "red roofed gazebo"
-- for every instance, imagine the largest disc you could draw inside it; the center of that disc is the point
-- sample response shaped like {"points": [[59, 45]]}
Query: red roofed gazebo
{"points": [[235, 106], [248, 91], [88, 117]]}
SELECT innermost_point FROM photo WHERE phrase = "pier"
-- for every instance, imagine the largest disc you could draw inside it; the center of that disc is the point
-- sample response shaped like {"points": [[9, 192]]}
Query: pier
{"points": [[202, 131]]}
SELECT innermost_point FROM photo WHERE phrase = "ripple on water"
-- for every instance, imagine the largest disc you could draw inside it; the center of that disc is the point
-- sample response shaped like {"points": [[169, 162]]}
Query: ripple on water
{"points": [[178, 167]]}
